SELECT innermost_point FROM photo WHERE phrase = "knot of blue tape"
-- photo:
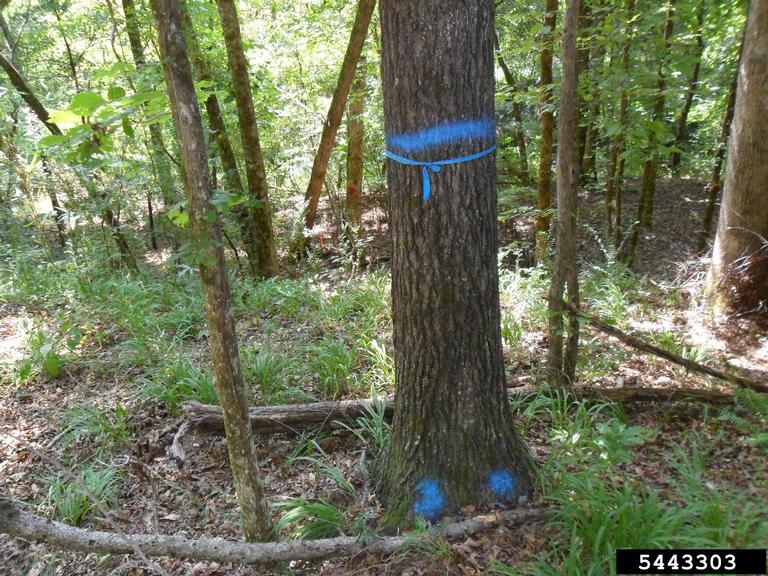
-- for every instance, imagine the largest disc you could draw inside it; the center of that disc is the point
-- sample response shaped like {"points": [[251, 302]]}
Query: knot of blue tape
{"points": [[426, 185]]}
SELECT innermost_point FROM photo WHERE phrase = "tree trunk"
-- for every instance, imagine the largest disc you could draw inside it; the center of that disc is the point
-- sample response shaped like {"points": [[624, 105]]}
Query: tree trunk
{"points": [[544, 185], [562, 364], [651, 165], [206, 229], [615, 183], [353, 206], [738, 276], [713, 189], [162, 166], [254, 162], [218, 131], [453, 439], [682, 121], [582, 70], [517, 115], [336, 110]]}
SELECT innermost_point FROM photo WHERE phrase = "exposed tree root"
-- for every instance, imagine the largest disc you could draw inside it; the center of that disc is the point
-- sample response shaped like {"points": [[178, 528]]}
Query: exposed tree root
{"points": [[21, 524]]}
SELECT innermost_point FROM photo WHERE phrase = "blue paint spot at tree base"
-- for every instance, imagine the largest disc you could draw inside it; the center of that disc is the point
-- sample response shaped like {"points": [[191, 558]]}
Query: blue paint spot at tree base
{"points": [[431, 499], [502, 483]]}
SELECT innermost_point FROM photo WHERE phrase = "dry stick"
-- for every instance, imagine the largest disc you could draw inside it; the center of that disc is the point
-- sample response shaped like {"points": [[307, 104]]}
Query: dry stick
{"points": [[643, 346], [23, 524], [289, 417]]}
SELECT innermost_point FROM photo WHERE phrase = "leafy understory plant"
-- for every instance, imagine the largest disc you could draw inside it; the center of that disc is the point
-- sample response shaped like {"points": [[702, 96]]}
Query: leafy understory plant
{"points": [[72, 498], [180, 381], [47, 350], [372, 428], [342, 514]]}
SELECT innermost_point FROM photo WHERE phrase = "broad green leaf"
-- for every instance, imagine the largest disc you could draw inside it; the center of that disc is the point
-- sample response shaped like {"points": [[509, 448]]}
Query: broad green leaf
{"points": [[63, 117], [85, 103], [115, 92], [53, 140]]}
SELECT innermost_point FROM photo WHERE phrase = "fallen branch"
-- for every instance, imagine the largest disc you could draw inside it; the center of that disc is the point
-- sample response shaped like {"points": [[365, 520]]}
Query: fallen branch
{"points": [[19, 523], [289, 417], [648, 348]]}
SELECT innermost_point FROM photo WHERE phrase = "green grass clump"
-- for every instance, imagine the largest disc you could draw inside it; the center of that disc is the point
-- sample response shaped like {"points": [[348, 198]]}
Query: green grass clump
{"points": [[333, 361], [72, 500], [108, 428], [180, 381]]}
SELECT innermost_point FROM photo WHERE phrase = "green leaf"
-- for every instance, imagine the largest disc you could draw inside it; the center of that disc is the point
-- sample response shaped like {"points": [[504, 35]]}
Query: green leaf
{"points": [[127, 128], [115, 92], [53, 140], [85, 103], [62, 117], [52, 365]]}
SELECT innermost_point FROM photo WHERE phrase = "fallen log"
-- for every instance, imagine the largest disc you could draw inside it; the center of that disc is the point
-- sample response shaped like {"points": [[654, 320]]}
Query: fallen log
{"points": [[643, 346], [22, 524], [290, 417]]}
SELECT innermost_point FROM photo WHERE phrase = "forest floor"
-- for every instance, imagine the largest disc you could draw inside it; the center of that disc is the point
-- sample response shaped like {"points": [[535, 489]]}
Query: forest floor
{"points": [[97, 365]]}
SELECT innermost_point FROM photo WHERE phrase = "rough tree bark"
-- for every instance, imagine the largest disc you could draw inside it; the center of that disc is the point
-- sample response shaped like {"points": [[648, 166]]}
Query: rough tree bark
{"points": [[453, 440], [206, 231], [353, 205], [561, 364], [335, 111], [713, 188], [517, 114], [738, 276], [682, 121], [161, 162], [255, 173], [544, 184]]}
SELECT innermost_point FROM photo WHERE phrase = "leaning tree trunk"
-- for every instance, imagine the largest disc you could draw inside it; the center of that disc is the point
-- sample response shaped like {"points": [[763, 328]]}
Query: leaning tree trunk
{"points": [[651, 165], [453, 441], [562, 365], [713, 188], [37, 107], [206, 230], [544, 185], [336, 110], [738, 276], [255, 173]]}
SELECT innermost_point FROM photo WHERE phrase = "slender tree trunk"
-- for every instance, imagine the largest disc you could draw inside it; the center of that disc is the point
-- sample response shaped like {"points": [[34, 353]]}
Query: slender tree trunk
{"points": [[206, 229], [682, 121], [562, 365], [353, 205], [162, 165], [617, 162], [336, 110], [597, 70], [583, 44], [218, 130], [738, 276], [713, 189], [453, 439], [544, 185], [651, 165], [517, 115], [151, 220], [255, 173]]}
